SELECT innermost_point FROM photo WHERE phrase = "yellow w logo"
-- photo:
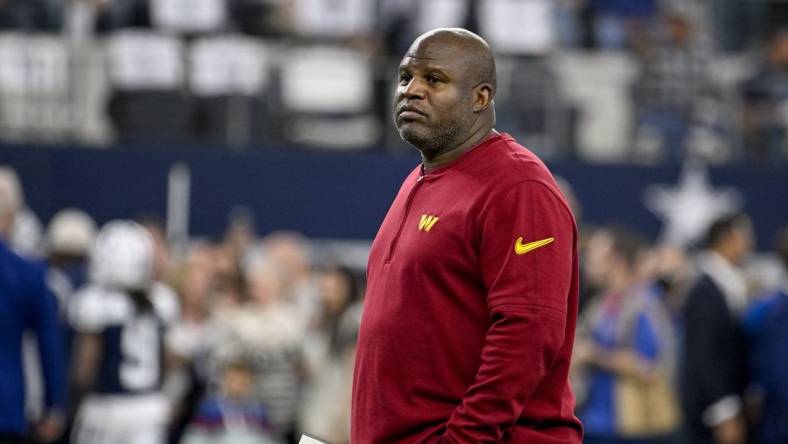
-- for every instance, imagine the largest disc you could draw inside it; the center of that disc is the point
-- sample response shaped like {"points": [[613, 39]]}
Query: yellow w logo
{"points": [[427, 221]]}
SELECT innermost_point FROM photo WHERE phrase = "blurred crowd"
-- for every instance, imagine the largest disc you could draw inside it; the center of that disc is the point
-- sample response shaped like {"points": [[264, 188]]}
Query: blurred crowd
{"points": [[251, 339], [598, 80], [682, 343], [237, 340]]}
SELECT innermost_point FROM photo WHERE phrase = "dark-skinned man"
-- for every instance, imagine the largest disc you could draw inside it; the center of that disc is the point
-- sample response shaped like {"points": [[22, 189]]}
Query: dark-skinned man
{"points": [[471, 302]]}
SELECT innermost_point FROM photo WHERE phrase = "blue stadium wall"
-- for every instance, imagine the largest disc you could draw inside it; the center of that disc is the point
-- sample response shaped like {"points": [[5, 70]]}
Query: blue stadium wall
{"points": [[331, 195]]}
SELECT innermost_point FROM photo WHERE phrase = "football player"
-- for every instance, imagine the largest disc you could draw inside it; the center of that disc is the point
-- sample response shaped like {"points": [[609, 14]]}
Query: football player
{"points": [[120, 318]]}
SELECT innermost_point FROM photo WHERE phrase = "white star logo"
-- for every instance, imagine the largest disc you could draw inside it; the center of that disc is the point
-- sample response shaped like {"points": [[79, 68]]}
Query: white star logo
{"points": [[689, 208]]}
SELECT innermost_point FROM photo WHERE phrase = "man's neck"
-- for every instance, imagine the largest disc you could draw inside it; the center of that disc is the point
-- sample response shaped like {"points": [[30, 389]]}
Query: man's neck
{"points": [[477, 138]]}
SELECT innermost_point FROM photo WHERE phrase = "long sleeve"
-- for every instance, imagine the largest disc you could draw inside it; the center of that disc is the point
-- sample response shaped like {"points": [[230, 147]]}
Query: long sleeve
{"points": [[44, 318], [527, 253], [712, 355]]}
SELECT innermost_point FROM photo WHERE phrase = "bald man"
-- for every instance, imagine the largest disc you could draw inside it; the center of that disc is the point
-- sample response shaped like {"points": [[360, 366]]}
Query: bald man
{"points": [[471, 302]]}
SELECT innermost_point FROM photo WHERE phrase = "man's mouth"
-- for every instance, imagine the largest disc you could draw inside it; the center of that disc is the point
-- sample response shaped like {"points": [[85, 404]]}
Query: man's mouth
{"points": [[410, 113]]}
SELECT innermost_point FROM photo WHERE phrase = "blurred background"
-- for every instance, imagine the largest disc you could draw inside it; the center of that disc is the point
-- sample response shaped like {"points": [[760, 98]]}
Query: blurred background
{"points": [[254, 140]]}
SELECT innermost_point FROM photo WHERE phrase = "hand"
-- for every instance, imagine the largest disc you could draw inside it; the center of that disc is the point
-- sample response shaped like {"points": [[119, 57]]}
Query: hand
{"points": [[50, 427], [732, 431]]}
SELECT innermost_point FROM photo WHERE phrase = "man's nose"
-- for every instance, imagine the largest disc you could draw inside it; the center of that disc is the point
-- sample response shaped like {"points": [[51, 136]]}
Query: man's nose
{"points": [[413, 90]]}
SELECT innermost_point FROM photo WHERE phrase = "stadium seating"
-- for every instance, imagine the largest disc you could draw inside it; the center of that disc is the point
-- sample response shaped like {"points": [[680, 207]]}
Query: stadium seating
{"points": [[327, 97], [518, 27], [229, 78], [598, 84], [189, 16], [34, 87], [149, 101], [333, 18]]}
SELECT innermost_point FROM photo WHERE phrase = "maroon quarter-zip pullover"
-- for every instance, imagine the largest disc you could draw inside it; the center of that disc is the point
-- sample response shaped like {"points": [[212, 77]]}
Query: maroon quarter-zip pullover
{"points": [[470, 310]]}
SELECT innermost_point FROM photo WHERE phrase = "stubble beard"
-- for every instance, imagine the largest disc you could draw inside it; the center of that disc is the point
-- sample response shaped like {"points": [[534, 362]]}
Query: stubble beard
{"points": [[431, 142]]}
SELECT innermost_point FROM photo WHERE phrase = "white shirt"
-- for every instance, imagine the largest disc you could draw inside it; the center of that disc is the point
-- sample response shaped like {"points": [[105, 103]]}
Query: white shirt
{"points": [[728, 278]]}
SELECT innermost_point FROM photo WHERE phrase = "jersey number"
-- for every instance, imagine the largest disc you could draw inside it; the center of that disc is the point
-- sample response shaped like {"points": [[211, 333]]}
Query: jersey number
{"points": [[139, 344]]}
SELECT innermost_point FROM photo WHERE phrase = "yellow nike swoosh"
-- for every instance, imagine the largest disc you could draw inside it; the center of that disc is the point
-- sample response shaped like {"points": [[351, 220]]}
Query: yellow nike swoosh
{"points": [[521, 248]]}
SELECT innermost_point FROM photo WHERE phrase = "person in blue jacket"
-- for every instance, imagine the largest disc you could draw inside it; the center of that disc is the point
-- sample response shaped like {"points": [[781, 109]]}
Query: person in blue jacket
{"points": [[766, 328], [26, 305]]}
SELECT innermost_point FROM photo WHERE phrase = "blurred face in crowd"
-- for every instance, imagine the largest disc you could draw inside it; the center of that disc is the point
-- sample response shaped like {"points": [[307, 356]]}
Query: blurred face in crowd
{"points": [[288, 251], [443, 87], [667, 262], [598, 258], [265, 285], [334, 290], [10, 199], [740, 241], [238, 382], [680, 29], [225, 261], [196, 279]]}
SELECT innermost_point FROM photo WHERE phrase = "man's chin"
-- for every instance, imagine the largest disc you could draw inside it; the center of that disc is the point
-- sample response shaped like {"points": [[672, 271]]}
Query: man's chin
{"points": [[412, 135]]}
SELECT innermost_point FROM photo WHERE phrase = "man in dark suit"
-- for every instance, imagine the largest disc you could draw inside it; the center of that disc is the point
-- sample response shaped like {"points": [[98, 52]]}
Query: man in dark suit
{"points": [[713, 373]]}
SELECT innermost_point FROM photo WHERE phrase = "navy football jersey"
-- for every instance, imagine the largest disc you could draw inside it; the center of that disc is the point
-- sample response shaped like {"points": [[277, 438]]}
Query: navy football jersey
{"points": [[131, 340]]}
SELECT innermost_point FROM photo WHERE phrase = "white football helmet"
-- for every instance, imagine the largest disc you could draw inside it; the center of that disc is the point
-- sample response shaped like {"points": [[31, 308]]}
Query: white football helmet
{"points": [[122, 256]]}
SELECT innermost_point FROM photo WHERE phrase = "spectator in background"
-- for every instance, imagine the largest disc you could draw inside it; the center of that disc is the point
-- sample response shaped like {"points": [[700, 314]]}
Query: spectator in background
{"points": [[625, 352], [766, 111], [26, 304], [290, 251], [766, 326], [231, 256], [27, 234], [672, 79], [231, 414], [713, 376], [672, 271], [69, 239], [189, 339], [267, 330], [229, 290], [615, 20], [330, 347]]}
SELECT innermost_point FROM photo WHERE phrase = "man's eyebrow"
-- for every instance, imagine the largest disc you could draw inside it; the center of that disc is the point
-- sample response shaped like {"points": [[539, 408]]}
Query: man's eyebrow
{"points": [[425, 68], [435, 70]]}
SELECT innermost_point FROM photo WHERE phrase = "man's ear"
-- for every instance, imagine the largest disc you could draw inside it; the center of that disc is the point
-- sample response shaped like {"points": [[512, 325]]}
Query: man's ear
{"points": [[482, 97]]}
